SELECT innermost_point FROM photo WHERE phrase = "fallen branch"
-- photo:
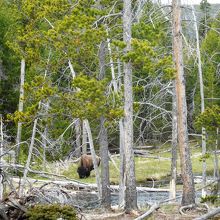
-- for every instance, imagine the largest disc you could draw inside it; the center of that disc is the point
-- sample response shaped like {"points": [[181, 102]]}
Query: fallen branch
{"points": [[181, 210], [16, 205], [209, 214], [149, 212], [153, 157]]}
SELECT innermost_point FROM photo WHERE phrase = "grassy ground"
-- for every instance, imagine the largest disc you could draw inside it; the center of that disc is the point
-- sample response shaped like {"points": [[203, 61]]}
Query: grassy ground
{"points": [[149, 168]]}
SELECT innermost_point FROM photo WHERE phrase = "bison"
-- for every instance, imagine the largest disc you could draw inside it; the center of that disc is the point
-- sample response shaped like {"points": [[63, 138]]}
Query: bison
{"points": [[86, 165]]}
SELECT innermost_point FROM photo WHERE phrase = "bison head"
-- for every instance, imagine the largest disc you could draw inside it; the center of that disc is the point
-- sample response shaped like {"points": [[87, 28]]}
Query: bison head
{"points": [[83, 172]]}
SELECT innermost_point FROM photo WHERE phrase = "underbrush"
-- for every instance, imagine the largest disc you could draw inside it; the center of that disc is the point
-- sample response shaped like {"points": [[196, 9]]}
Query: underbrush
{"points": [[51, 212]]}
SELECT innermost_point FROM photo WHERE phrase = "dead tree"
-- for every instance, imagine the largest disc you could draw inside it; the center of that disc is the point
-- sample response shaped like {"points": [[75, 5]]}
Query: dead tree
{"points": [[202, 100], [185, 160], [103, 141], [20, 109], [130, 182]]}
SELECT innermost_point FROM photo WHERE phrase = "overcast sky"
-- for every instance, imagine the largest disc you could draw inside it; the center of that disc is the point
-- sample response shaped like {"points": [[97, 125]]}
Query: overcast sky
{"points": [[192, 1]]}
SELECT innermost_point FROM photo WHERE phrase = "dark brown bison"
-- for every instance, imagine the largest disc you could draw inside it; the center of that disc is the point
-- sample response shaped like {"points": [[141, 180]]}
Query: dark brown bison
{"points": [[86, 165]]}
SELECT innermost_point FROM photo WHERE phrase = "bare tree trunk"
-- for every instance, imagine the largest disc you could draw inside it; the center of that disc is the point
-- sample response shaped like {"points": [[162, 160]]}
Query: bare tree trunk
{"points": [[185, 160], [216, 164], [122, 167], [112, 65], [98, 182], [1, 160], [27, 165], [44, 141], [84, 138], [130, 191], [78, 138], [103, 139], [202, 100], [20, 109], [103, 142], [122, 150], [174, 146]]}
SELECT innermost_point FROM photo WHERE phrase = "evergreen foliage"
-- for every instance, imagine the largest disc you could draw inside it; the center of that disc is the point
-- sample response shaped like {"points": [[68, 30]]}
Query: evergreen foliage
{"points": [[51, 212]]}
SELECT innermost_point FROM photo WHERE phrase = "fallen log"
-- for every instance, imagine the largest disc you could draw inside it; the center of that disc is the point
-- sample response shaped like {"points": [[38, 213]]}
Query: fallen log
{"points": [[140, 152], [145, 147], [210, 214], [153, 157], [81, 185]]}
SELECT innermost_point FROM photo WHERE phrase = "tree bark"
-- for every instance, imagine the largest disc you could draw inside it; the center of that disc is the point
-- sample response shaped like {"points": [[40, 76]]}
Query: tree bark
{"points": [[185, 160], [174, 146], [103, 140], [216, 162], [84, 138], [112, 65], [44, 142], [130, 191], [202, 100], [20, 109], [122, 166]]}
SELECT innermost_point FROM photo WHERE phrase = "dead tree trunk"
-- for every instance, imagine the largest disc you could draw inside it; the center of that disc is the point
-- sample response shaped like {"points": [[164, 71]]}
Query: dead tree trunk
{"points": [[202, 100], [185, 160], [103, 140], [216, 162], [174, 146], [121, 201], [84, 138], [130, 191], [44, 142], [20, 109], [112, 65]]}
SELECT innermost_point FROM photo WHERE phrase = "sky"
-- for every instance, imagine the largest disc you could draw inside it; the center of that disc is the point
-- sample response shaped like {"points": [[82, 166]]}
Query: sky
{"points": [[192, 1]]}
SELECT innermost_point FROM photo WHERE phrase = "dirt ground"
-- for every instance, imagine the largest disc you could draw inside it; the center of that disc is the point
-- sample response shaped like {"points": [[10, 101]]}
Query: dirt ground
{"points": [[165, 212]]}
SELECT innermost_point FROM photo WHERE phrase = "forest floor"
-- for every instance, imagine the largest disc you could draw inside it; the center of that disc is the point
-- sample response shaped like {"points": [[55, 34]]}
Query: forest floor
{"points": [[152, 171], [165, 212]]}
